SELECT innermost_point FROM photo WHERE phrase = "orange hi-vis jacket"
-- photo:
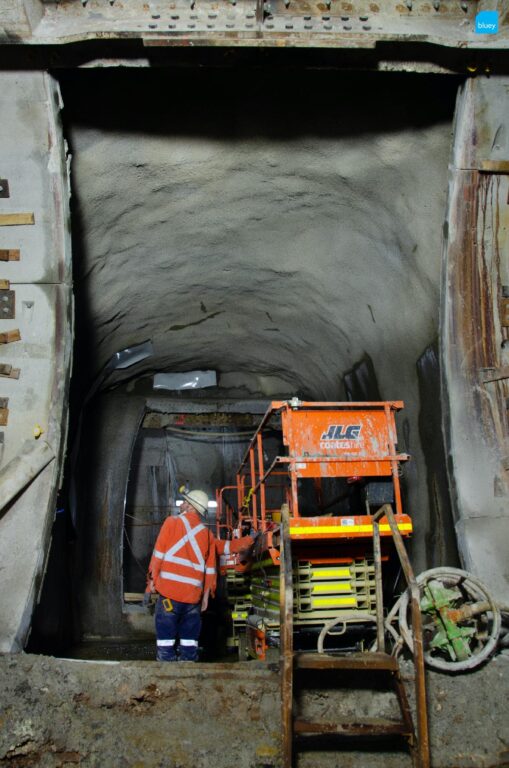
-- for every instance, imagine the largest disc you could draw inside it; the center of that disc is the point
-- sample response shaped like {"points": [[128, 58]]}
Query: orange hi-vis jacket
{"points": [[183, 564]]}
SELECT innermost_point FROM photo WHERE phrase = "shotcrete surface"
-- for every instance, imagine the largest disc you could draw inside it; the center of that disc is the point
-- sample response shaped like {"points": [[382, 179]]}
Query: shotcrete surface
{"points": [[275, 234], [261, 235], [145, 714]]}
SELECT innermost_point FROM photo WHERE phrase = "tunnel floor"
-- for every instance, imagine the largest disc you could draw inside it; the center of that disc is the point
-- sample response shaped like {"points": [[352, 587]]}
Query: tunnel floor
{"points": [[60, 712], [134, 650]]}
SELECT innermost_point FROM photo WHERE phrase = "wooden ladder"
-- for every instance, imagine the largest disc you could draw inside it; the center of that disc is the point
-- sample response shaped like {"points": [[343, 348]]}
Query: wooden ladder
{"points": [[295, 729]]}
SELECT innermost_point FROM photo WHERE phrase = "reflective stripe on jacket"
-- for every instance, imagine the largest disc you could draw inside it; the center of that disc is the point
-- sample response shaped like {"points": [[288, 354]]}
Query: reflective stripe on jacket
{"points": [[183, 563], [231, 547]]}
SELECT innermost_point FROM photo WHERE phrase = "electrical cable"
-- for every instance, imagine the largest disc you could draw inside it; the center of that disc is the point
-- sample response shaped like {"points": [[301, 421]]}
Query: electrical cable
{"points": [[142, 569], [199, 433], [137, 525]]}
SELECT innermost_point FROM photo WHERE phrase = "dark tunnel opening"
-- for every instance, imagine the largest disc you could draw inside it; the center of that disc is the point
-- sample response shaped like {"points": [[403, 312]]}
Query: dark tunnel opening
{"points": [[281, 227]]}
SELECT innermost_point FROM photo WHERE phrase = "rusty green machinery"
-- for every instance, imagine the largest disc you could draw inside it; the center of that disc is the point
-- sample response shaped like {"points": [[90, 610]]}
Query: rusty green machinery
{"points": [[461, 621]]}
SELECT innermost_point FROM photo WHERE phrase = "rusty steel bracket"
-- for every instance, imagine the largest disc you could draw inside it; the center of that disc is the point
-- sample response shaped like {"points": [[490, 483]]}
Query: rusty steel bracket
{"points": [[7, 305], [4, 411], [4, 188], [10, 336], [10, 254]]}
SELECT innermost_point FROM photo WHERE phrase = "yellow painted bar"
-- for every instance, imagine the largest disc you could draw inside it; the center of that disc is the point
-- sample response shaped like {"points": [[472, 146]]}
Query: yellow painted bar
{"points": [[16, 219], [346, 529], [333, 601], [331, 573], [331, 586]]}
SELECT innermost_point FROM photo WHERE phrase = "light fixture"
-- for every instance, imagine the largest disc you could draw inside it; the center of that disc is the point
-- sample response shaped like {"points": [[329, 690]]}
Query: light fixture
{"points": [[124, 358], [185, 380], [131, 355]]}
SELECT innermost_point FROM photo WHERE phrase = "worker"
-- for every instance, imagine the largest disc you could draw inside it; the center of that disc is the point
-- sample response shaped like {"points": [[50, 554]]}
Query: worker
{"points": [[183, 571]]}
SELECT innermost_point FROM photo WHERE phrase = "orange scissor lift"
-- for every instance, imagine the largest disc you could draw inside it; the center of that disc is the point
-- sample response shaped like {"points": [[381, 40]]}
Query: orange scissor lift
{"points": [[315, 574]]}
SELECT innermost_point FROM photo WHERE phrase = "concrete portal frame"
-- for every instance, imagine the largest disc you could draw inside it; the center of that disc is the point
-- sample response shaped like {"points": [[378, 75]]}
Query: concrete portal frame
{"points": [[35, 355], [475, 330], [38, 344], [357, 24]]}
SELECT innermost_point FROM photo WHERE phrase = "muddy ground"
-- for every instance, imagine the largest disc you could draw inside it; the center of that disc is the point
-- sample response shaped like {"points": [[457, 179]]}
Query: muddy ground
{"points": [[58, 712]]}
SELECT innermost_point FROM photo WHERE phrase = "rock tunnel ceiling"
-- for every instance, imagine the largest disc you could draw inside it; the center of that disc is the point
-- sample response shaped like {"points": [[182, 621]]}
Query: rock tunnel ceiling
{"points": [[271, 228]]}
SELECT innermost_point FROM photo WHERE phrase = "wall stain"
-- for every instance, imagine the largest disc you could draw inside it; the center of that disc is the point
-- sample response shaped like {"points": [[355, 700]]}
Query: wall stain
{"points": [[361, 382], [196, 322], [440, 539]]}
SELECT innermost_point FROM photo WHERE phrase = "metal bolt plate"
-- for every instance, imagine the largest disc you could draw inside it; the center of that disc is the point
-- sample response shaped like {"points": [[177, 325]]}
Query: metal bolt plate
{"points": [[7, 305]]}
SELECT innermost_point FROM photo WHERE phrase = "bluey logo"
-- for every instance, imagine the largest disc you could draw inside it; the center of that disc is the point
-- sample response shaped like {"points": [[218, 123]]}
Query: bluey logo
{"points": [[342, 432], [486, 23]]}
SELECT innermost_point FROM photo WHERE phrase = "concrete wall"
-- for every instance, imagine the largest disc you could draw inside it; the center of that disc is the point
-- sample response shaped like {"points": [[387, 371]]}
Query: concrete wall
{"points": [[475, 325], [33, 160]]}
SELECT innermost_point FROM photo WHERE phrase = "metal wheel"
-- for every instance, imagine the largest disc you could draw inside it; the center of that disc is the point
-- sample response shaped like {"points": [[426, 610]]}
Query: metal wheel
{"points": [[460, 621]]}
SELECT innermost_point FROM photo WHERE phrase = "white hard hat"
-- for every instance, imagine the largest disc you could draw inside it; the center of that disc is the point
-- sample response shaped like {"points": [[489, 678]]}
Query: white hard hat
{"points": [[197, 499]]}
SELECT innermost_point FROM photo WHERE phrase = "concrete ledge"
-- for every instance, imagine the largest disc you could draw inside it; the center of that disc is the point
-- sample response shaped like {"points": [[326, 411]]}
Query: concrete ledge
{"points": [[138, 713], [147, 714]]}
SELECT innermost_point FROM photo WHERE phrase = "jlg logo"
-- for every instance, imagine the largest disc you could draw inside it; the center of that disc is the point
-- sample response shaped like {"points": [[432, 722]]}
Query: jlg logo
{"points": [[342, 432]]}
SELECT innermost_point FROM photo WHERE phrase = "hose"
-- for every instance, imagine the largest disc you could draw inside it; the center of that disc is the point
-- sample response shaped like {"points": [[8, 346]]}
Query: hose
{"points": [[485, 605]]}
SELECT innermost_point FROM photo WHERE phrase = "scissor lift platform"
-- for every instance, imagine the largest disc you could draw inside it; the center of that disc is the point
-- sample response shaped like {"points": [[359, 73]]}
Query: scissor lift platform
{"points": [[355, 443]]}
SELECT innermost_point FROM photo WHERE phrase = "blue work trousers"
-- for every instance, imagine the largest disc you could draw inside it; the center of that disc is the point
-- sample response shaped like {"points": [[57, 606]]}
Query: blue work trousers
{"points": [[177, 630]]}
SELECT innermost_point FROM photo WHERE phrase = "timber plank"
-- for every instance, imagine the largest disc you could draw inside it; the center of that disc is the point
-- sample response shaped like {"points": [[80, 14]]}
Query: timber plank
{"points": [[12, 373], [16, 219], [10, 254], [8, 336]]}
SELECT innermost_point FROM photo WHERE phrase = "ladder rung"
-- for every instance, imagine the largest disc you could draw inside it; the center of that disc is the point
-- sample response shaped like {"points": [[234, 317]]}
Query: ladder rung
{"points": [[342, 727], [357, 661]]}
